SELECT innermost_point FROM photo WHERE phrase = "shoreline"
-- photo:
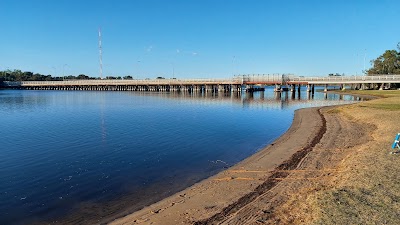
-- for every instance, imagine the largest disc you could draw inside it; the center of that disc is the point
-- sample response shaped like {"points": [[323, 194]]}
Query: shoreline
{"points": [[339, 92], [223, 194]]}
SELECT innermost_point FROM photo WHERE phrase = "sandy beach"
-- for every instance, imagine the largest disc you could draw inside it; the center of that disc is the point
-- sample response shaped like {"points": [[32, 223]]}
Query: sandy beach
{"points": [[276, 184], [226, 192]]}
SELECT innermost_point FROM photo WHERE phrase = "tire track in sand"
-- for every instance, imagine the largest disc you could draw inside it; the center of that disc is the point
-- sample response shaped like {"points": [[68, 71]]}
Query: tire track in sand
{"points": [[277, 175]]}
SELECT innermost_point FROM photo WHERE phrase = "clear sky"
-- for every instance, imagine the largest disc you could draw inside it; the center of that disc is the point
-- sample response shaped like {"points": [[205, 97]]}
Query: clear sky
{"points": [[196, 38]]}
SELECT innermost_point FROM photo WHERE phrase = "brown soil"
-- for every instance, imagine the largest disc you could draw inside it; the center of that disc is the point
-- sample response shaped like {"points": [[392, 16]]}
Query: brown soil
{"points": [[315, 168]]}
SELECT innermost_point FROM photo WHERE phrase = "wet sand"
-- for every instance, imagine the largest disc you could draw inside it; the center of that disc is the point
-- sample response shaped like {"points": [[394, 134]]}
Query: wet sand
{"points": [[225, 196]]}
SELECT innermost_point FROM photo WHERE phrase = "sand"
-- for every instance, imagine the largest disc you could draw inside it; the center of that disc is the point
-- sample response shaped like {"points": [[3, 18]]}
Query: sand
{"points": [[223, 195], [313, 174]]}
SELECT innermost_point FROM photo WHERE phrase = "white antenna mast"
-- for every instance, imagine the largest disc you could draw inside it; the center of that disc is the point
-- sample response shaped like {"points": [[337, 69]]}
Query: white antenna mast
{"points": [[100, 55]]}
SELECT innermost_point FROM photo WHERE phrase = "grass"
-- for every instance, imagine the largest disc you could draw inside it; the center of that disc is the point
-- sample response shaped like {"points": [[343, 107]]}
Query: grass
{"points": [[368, 194], [386, 106], [369, 191], [390, 101], [377, 93]]}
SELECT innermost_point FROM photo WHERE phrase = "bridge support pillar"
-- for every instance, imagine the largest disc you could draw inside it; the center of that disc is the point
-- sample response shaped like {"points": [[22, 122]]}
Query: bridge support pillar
{"points": [[326, 88], [215, 88], [292, 87], [236, 88], [308, 87], [233, 88], [249, 88], [381, 87], [277, 88]]}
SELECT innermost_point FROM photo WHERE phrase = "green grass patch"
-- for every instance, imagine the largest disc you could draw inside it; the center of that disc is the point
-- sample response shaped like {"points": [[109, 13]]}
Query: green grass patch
{"points": [[378, 93], [387, 103], [386, 106]]}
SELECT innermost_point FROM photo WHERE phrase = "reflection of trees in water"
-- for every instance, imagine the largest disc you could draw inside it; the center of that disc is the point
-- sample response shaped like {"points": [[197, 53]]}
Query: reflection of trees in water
{"points": [[20, 100]]}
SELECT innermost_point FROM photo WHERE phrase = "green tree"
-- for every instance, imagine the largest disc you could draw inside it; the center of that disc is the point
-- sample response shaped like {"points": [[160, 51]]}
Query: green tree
{"points": [[83, 77], [18, 75], [387, 63]]}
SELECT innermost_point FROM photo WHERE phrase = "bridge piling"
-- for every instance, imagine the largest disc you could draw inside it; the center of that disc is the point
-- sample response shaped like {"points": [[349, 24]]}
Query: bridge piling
{"points": [[277, 88]]}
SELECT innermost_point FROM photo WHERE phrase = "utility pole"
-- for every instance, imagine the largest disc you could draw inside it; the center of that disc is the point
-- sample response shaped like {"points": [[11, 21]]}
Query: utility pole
{"points": [[100, 55]]}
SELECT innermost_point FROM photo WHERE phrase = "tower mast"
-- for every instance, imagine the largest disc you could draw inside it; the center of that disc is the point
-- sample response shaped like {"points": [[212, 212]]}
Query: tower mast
{"points": [[100, 55]]}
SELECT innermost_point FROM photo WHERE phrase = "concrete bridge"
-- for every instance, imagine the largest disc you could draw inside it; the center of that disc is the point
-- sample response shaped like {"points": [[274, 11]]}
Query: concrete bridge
{"points": [[236, 84]]}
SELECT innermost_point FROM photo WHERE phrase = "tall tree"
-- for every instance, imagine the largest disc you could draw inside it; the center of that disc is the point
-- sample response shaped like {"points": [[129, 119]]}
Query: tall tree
{"points": [[387, 63]]}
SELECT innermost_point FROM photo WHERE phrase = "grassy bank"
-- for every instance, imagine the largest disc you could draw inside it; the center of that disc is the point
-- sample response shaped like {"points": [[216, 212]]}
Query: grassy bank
{"points": [[367, 190]]}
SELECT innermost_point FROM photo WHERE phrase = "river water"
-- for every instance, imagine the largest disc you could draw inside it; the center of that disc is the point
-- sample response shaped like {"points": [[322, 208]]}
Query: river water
{"points": [[77, 157]]}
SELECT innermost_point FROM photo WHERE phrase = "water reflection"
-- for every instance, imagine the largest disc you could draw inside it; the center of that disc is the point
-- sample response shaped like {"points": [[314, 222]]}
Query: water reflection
{"points": [[267, 98], [18, 101], [21, 100]]}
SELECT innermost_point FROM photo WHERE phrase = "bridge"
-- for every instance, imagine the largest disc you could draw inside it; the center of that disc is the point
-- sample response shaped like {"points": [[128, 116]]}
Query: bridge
{"points": [[250, 83]]}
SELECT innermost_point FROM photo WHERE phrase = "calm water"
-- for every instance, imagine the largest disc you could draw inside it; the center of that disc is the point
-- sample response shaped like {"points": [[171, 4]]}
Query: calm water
{"points": [[84, 155]]}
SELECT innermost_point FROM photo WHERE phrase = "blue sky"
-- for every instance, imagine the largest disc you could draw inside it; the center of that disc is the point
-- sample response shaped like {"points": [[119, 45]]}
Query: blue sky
{"points": [[196, 39]]}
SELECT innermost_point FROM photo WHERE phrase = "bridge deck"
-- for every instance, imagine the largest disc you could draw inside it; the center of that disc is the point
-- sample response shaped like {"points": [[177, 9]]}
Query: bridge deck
{"points": [[237, 80]]}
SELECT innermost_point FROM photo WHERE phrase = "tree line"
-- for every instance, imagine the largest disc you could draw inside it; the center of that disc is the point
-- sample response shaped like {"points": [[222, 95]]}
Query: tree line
{"points": [[18, 75], [387, 63]]}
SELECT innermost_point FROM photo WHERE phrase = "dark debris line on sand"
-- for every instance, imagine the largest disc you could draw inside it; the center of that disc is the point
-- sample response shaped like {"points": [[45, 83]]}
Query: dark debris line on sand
{"points": [[271, 182]]}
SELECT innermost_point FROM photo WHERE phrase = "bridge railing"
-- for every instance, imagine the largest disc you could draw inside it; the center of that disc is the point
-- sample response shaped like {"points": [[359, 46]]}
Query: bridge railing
{"points": [[237, 80], [133, 82], [348, 78]]}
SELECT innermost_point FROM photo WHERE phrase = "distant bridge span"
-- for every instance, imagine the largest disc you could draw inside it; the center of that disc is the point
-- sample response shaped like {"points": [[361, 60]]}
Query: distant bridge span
{"points": [[233, 84]]}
